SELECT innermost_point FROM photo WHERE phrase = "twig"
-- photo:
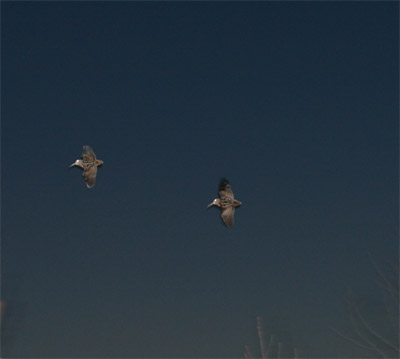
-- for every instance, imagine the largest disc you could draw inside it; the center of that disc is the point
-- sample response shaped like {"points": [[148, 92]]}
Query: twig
{"points": [[364, 338], [271, 344], [354, 341], [261, 337], [280, 349], [374, 332], [247, 353]]}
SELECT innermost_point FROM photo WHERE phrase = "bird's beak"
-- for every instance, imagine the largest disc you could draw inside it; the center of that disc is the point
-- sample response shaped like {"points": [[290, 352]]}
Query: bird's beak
{"points": [[210, 204], [72, 165]]}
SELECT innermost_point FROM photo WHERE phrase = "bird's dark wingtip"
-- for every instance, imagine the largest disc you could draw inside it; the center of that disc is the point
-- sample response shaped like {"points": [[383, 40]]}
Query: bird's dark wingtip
{"points": [[223, 183]]}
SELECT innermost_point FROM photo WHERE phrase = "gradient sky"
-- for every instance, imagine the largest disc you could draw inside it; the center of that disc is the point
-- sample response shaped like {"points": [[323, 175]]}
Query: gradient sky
{"points": [[296, 103]]}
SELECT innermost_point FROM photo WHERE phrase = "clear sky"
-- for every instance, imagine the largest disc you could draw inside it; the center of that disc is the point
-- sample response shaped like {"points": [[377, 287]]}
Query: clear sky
{"points": [[296, 103]]}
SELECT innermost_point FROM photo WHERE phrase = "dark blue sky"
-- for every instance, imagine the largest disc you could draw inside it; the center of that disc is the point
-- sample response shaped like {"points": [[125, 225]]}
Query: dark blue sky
{"points": [[296, 103]]}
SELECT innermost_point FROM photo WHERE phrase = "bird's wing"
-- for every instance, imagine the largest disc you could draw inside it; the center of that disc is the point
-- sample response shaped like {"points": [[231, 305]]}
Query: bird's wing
{"points": [[225, 189], [88, 154], [89, 174], [227, 215]]}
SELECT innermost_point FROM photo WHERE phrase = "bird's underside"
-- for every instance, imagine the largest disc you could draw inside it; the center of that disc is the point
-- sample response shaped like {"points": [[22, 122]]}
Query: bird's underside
{"points": [[89, 164], [226, 202]]}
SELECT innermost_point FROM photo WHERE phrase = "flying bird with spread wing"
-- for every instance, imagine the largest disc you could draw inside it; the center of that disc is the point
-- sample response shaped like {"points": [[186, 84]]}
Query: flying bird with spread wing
{"points": [[226, 202], [89, 164]]}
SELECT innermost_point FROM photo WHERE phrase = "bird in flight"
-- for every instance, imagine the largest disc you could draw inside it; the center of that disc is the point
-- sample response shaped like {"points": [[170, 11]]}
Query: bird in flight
{"points": [[226, 202], [89, 164]]}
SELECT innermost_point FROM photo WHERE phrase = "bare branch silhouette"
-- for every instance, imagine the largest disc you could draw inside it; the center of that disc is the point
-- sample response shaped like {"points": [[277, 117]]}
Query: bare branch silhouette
{"points": [[274, 349], [373, 336]]}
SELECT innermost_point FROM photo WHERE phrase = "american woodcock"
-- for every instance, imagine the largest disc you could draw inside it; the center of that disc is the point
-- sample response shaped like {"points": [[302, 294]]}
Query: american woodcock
{"points": [[89, 164], [226, 202]]}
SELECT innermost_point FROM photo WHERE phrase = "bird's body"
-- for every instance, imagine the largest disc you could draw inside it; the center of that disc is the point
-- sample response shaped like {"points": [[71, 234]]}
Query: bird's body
{"points": [[226, 202], [89, 164]]}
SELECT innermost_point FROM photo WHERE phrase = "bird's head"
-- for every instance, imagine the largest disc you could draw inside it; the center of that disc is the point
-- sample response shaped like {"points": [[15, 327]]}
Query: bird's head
{"points": [[216, 202], [77, 163]]}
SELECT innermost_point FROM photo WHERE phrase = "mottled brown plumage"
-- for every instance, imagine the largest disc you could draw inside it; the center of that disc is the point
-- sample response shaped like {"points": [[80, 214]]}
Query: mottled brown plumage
{"points": [[226, 202], [89, 164]]}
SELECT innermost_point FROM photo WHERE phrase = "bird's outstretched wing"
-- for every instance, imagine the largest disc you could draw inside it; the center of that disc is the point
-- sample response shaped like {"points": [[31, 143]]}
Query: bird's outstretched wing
{"points": [[227, 215], [88, 153], [227, 202], [89, 174], [225, 189], [89, 166]]}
